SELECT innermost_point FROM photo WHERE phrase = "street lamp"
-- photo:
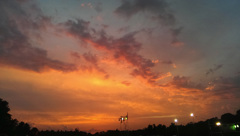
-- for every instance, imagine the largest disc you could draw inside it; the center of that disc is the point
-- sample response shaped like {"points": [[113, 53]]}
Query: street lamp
{"points": [[192, 115], [218, 123], [176, 121]]}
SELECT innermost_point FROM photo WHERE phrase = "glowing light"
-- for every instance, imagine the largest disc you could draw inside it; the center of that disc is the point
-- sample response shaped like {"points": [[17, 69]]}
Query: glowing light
{"points": [[236, 126], [175, 120], [218, 123], [191, 114]]}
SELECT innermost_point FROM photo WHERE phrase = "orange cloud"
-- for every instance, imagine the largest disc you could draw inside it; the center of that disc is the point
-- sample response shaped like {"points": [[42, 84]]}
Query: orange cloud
{"points": [[125, 48]]}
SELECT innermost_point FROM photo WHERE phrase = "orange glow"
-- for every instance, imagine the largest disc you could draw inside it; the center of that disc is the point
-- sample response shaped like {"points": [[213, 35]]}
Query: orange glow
{"points": [[86, 66]]}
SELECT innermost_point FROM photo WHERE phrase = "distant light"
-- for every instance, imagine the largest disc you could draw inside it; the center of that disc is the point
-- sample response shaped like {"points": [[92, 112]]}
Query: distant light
{"points": [[122, 118], [233, 127], [218, 123], [191, 114], [237, 126], [175, 120], [126, 118]]}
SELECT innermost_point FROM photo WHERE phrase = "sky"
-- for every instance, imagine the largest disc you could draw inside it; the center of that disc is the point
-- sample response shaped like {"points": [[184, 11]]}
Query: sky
{"points": [[67, 64]]}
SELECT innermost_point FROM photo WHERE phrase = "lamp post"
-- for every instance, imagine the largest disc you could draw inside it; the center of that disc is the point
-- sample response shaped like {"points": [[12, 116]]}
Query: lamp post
{"points": [[192, 115], [176, 121], [219, 125]]}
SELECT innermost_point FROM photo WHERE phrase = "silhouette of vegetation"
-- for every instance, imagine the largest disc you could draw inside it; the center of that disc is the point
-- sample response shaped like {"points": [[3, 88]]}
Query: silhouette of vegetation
{"points": [[12, 127], [228, 127]]}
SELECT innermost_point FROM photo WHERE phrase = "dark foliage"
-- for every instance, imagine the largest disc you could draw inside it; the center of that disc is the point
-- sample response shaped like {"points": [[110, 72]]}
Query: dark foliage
{"points": [[11, 127]]}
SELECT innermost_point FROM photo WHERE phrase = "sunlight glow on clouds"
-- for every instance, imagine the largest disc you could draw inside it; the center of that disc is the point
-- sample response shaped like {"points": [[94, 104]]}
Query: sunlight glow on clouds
{"points": [[82, 64]]}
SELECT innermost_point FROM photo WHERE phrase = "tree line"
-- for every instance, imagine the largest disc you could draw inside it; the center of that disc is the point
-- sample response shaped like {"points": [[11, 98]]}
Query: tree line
{"points": [[229, 127]]}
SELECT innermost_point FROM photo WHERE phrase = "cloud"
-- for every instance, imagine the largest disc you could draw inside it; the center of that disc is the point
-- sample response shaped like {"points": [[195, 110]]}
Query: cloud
{"points": [[185, 92], [92, 59], [15, 48], [98, 7], [169, 63], [126, 83], [226, 85], [88, 61], [75, 55], [175, 32], [184, 82], [124, 29], [159, 10], [212, 70], [80, 28], [124, 48]]}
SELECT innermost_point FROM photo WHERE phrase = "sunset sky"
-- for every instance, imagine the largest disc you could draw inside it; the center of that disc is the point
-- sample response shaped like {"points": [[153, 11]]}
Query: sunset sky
{"points": [[68, 64]]}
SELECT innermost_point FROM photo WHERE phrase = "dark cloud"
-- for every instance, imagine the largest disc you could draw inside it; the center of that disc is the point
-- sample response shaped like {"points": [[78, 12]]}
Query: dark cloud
{"points": [[105, 26], [90, 58], [220, 88], [98, 7], [127, 48], [88, 61], [169, 62], [93, 60], [226, 87], [15, 48], [75, 55], [124, 48], [184, 82], [212, 70], [159, 10], [124, 29], [79, 28], [175, 32]]}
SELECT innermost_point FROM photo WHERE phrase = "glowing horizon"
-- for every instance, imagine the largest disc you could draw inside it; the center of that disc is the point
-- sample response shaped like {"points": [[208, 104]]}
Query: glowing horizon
{"points": [[83, 64]]}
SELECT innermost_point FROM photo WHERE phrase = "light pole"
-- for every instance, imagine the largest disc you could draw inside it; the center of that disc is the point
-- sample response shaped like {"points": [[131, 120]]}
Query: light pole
{"points": [[219, 125], [192, 115], [176, 121]]}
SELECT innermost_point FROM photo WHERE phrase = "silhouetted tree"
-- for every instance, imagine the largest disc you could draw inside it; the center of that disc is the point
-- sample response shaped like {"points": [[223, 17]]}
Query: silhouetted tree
{"points": [[11, 126], [238, 116], [228, 118], [23, 129], [33, 132], [5, 117]]}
